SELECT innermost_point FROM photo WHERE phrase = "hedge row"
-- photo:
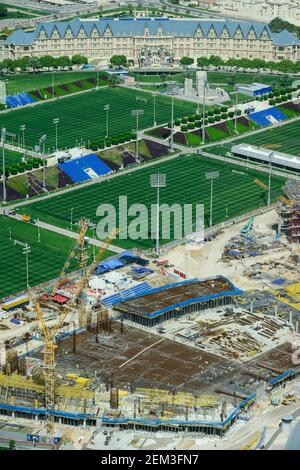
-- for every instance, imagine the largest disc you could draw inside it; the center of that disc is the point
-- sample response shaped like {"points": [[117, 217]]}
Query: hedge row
{"points": [[113, 140], [21, 167]]}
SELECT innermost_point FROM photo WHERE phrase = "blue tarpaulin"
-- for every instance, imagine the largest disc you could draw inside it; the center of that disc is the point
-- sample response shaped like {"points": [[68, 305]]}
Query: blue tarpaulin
{"points": [[84, 168], [278, 281]]}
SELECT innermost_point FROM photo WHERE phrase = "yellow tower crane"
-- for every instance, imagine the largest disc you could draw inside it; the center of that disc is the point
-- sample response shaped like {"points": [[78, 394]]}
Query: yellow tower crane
{"points": [[77, 249], [49, 334]]}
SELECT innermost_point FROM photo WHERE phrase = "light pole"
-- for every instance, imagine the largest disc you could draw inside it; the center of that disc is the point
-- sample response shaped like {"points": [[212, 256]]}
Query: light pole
{"points": [[53, 92], [270, 179], [3, 136], [23, 129], [172, 117], [25, 251], [203, 113], [56, 122], [137, 113], [107, 109], [97, 80], [42, 146], [157, 181], [236, 104], [72, 218], [211, 175], [154, 110]]}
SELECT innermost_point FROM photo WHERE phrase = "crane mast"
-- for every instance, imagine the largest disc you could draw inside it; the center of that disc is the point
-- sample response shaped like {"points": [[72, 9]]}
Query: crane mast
{"points": [[49, 334]]}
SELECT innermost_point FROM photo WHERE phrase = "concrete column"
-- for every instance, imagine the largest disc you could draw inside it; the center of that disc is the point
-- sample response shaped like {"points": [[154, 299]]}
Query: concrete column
{"points": [[291, 318], [84, 423], [251, 306], [276, 310]]}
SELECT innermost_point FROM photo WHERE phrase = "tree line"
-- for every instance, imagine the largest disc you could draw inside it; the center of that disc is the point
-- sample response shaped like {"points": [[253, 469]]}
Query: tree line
{"points": [[45, 61]]}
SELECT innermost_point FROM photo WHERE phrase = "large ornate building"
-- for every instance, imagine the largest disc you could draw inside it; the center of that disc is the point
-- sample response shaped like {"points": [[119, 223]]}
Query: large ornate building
{"points": [[155, 39]]}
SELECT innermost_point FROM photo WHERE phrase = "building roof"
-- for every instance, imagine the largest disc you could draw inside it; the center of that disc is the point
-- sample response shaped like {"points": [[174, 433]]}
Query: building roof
{"points": [[157, 301], [264, 154], [136, 27]]}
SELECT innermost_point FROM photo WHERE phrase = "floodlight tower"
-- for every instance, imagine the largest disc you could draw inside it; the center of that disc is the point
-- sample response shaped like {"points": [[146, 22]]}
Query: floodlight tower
{"points": [[3, 136], [25, 251], [211, 175], [56, 122], [106, 109], [236, 105], [137, 113], [42, 149], [154, 110], [270, 179], [23, 129], [157, 181], [203, 113]]}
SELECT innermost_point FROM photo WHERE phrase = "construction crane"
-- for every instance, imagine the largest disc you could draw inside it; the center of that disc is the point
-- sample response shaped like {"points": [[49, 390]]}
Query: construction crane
{"points": [[49, 334], [280, 197], [78, 249]]}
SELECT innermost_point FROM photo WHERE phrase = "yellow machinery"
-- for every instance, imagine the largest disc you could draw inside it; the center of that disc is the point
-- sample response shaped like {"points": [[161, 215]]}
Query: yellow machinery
{"points": [[78, 248], [280, 198], [49, 335], [26, 218]]}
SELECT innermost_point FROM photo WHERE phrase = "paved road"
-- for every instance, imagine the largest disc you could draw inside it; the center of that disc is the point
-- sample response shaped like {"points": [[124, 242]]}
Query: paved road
{"points": [[68, 233]]}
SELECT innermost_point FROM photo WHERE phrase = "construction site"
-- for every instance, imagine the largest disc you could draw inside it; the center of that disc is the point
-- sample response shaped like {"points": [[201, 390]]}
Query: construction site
{"points": [[183, 349]]}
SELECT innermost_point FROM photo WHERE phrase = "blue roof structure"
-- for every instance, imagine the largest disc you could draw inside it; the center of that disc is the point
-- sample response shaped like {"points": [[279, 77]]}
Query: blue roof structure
{"points": [[84, 168], [268, 116], [19, 99], [133, 27], [116, 298], [149, 310]]}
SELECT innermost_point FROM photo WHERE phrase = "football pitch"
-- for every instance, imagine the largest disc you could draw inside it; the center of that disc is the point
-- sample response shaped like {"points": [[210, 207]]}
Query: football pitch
{"points": [[284, 139], [83, 116], [46, 258], [234, 193]]}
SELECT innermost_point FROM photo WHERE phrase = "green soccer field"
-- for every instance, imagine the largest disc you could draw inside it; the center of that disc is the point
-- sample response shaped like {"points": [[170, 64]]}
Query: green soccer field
{"points": [[46, 258], [33, 81], [283, 139], [234, 193], [83, 116]]}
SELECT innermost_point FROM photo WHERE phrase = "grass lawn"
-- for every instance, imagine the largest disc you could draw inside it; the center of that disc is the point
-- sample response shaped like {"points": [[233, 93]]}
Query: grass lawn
{"points": [[83, 116], [284, 139], [46, 258], [34, 81], [186, 184]]}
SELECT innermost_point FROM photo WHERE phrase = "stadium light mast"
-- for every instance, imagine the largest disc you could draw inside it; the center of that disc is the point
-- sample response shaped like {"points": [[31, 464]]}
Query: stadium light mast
{"points": [[23, 129], [236, 105], [56, 122], [53, 90], [203, 113], [3, 136], [42, 149], [154, 110], [137, 113], [106, 109], [25, 251], [157, 181], [270, 179], [211, 176]]}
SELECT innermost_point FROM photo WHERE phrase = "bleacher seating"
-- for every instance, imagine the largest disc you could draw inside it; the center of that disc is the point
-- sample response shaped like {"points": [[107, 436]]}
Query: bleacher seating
{"points": [[85, 168], [268, 116], [121, 296], [19, 99]]}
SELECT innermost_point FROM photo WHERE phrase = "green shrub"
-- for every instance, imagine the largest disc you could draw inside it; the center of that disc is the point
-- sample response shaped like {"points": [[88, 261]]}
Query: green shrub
{"points": [[191, 125], [224, 115], [184, 128]]}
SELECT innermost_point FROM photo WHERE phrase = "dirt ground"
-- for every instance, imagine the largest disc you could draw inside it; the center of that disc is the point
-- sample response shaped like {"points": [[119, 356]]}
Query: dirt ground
{"points": [[167, 363]]}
